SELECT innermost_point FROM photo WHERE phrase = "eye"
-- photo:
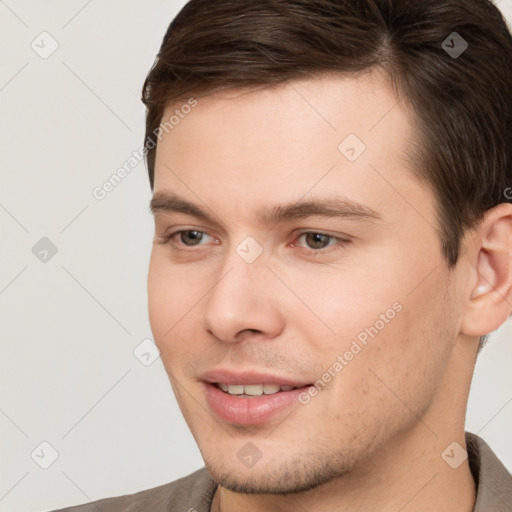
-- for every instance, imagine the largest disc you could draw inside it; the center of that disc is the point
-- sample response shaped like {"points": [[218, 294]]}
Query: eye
{"points": [[190, 237], [186, 237], [317, 242]]}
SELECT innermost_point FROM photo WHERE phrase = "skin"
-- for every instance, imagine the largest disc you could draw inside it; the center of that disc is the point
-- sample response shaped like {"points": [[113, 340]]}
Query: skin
{"points": [[372, 439]]}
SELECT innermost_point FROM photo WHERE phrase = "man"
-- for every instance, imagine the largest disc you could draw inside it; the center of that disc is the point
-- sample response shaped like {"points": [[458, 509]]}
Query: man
{"points": [[333, 242]]}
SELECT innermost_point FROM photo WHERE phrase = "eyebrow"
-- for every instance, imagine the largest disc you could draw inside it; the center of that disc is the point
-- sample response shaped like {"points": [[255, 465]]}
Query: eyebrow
{"points": [[296, 210]]}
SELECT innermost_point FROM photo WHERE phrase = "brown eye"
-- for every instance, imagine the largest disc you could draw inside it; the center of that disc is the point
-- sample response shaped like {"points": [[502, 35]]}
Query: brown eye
{"points": [[317, 240], [318, 243], [192, 236], [179, 240]]}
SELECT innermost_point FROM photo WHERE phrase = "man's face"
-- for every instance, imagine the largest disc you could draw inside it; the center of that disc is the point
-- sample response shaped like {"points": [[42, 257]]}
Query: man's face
{"points": [[354, 302]]}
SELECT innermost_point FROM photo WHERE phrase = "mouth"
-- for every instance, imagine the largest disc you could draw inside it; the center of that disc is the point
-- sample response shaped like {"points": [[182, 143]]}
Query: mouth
{"points": [[251, 404], [252, 390]]}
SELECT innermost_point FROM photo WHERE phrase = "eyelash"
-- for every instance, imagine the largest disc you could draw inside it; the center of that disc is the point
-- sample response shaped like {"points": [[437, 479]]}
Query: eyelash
{"points": [[167, 239]]}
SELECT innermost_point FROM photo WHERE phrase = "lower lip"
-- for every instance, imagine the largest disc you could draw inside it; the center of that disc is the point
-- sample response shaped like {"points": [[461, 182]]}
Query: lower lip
{"points": [[254, 410]]}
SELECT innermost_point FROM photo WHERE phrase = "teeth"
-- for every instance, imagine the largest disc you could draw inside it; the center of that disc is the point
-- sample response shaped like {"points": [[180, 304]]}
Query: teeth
{"points": [[270, 389], [234, 389], [253, 389]]}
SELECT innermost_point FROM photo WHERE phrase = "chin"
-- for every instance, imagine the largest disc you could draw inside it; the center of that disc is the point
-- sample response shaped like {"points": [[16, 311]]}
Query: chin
{"points": [[287, 477]]}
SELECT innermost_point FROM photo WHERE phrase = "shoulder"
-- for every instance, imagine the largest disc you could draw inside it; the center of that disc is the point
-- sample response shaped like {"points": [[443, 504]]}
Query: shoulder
{"points": [[192, 493], [494, 482]]}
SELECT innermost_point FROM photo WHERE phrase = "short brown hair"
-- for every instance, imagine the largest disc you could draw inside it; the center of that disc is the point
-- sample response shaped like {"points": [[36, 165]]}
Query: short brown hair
{"points": [[461, 103]]}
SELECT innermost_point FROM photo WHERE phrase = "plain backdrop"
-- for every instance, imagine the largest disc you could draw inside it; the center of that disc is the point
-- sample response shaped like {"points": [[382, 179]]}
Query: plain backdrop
{"points": [[74, 396]]}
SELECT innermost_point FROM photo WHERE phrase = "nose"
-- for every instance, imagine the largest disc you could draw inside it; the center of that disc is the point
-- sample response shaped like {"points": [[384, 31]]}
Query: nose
{"points": [[243, 302]]}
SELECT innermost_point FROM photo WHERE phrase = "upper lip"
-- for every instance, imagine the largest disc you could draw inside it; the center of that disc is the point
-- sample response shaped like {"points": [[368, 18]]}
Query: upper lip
{"points": [[249, 377]]}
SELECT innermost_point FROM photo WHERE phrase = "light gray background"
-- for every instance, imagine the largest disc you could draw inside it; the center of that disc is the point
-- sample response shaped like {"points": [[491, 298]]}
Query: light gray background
{"points": [[69, 326]]}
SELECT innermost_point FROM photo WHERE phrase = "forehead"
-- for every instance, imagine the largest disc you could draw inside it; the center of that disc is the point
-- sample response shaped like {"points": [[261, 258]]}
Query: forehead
{"points": [[338, 133]]}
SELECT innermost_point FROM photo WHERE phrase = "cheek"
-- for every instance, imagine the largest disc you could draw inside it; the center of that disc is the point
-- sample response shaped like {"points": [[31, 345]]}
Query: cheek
{"points": [[341, 308], [159, 300], [369, 393], [382, 331], [400, 369], [170, 302]]}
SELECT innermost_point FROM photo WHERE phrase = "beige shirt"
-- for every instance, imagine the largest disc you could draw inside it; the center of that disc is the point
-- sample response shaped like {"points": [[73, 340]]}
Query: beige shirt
{"points": [[194, 493]]}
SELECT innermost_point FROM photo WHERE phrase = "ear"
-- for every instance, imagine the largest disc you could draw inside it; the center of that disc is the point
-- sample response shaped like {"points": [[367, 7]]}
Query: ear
{"points": [[489, 298]]}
